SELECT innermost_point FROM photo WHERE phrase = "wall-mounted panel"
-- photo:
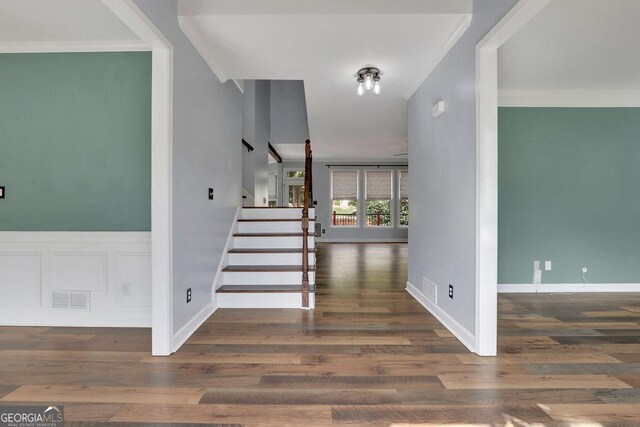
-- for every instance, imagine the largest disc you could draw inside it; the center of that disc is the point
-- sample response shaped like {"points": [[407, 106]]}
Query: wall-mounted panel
{"points": [[20, 278], [82, 271]]}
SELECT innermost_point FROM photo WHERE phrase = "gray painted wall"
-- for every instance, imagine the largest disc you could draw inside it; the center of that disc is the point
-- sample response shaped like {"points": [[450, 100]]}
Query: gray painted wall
{"points": [[442, 160], [289, 123], [207, 122], [322, 194], [256, 130]]}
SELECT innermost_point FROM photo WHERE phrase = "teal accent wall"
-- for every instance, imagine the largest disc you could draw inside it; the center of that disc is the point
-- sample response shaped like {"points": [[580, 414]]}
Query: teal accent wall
{"points": [[75, 141], [569, 192]]}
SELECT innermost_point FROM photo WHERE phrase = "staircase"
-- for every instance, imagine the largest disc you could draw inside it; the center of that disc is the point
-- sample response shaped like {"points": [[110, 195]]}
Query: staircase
{"points": [[271, 263], [265, 261]]}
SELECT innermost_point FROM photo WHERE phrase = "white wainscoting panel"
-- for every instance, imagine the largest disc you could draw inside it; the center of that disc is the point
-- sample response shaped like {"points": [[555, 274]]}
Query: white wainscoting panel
{"points": [[114, 267], [21, 272]]}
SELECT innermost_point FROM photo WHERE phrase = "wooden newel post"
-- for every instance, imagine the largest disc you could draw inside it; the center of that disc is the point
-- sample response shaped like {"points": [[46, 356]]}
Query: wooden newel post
{"points": [[308, 197]]}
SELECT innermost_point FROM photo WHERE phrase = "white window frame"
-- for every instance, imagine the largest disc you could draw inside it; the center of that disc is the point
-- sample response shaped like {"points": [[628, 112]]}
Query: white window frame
{"points": [[365, 200], [358, 200], [399, 199]]}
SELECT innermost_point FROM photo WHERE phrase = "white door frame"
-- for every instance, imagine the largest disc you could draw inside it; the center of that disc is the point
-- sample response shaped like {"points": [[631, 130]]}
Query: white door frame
{"points": [[486, 333], [161, 171]]}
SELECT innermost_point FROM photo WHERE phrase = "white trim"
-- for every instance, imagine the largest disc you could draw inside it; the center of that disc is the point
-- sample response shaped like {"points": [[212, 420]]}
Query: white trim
{"points": [[25, 316], [462, 333], [161, 170], [192, 325], [568, 98], [529, 288], [75, 236], [224, 259], [487, 172], [80, 46], [203, 49], [359, 240], [459, 30]]}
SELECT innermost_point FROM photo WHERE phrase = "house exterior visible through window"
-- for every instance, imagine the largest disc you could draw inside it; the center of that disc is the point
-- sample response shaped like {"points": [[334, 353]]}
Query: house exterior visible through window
{"points": [[378, 190], [403, 192], [344, 197]]}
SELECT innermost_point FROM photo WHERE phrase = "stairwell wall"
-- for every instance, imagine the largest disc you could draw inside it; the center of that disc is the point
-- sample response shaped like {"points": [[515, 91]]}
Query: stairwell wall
{"points": [[207, 123]]}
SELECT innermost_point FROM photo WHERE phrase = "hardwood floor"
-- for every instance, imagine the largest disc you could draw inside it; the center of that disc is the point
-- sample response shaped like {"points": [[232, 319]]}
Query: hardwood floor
{"points": [[368, 355]]}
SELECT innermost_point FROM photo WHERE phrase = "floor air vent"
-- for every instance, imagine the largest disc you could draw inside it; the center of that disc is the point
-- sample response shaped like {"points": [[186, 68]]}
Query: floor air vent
{"points": [[430, 290], [71, 300]]}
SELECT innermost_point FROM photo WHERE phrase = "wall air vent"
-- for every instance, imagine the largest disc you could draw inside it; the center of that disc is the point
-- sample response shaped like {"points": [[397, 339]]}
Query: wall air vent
{"points": [[71, 300], [430, 290]]}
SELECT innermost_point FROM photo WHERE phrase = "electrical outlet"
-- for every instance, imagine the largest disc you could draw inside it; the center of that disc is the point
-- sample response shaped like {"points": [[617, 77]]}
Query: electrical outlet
{"points": [[1, 192], [188, 295], [451, 291], [125, 289], [210, 193]]}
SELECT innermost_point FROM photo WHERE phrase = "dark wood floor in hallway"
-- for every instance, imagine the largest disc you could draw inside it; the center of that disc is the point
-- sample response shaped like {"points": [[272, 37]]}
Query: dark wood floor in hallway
{"points": [[367, 355]]}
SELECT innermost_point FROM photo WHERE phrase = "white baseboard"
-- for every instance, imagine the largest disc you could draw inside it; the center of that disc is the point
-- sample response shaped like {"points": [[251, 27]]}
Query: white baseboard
{"points": [[529, 288], [372, 240], [37, 317], [192, 325], [463, 334]]}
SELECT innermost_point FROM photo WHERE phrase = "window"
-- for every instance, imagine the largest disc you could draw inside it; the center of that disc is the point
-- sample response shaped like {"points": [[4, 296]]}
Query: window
{"points": [[378, 196], [295, 174], [273, 189], [344, 198], [403, 193]]}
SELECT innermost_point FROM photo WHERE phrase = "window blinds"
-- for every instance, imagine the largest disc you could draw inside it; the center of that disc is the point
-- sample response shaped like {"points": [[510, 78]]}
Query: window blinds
{"points": [[404, 185], [378, 185], [344, 185]]}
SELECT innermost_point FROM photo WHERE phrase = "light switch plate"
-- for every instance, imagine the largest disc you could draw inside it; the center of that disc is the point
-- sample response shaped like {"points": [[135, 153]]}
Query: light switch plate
{"points": [[2, 192], [547, 265]]}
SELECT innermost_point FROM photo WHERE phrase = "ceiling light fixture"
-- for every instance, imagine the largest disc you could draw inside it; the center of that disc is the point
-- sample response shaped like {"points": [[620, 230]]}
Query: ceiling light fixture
{"points": [[368, 79]]}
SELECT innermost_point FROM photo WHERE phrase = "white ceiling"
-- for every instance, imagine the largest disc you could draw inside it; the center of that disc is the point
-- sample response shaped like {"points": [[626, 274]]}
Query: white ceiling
{"points": [[575, 45], [324, 43], [49, 21]]}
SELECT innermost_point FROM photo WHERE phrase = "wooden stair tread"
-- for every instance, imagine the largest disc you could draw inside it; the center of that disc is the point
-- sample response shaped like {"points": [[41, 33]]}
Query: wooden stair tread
{"points": [[263, 289], [266, 268], [268, 235], [275, 220], [269, 251]]}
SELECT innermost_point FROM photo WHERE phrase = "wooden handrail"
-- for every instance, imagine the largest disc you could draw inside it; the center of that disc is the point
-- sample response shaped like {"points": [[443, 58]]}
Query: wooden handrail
{"points": [[308, 197]]}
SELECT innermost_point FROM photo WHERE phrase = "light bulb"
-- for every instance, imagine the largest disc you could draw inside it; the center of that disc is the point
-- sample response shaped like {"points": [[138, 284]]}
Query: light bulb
{"points": [[360, 89], [376, 88], [368, 81]]}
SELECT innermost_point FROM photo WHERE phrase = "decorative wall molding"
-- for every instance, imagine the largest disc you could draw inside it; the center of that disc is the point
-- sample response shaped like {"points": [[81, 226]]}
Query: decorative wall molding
{"points": [[80, 46], [115, 267], [528, 288], [463, 334], [568, 98]]}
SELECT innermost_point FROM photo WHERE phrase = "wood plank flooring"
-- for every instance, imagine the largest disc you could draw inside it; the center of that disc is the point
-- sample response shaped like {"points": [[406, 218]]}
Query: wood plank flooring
{"points": [[369, 355]]}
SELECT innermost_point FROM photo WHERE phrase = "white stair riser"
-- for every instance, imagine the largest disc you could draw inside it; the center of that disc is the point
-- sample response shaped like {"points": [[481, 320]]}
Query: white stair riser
{"points": [[267, 300], [269, 259], [265, 278], [268, 242], [273, 227], [275, 213]]}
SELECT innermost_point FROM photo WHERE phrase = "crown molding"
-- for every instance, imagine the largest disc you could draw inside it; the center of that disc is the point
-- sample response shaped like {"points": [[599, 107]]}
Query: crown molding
{"points": [[568, 98], [459, 30], [203, 49]]}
